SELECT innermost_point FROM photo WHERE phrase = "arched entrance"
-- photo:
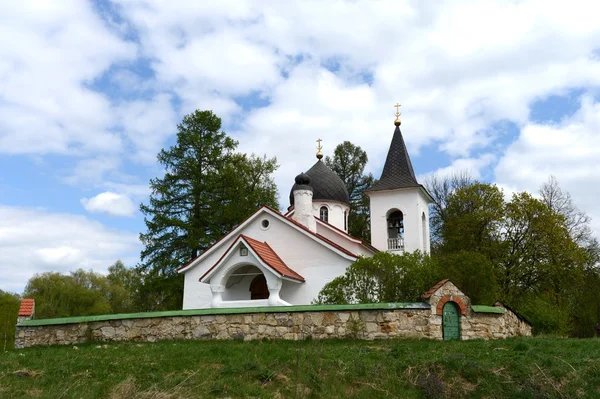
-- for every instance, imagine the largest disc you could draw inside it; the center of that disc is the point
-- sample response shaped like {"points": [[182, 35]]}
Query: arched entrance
{"points": [[451, 321], [258, 288]]}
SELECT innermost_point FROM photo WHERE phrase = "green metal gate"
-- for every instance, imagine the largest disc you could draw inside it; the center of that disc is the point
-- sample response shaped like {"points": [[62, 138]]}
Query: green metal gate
{"points": [[451, 321]]}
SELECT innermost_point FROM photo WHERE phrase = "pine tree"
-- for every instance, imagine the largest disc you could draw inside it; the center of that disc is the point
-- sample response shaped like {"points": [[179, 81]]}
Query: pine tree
{"points": [[206, 190]]}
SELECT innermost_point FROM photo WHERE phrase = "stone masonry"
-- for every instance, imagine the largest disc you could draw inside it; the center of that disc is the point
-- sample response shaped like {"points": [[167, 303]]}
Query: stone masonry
{"points": [[419, 320]]}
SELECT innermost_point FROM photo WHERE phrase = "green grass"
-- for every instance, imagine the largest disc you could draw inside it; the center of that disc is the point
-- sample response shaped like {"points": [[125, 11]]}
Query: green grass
{"points": [[515, 368]]}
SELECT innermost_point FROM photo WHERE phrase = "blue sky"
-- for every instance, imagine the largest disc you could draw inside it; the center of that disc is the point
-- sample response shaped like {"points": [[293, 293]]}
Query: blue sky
{"points": [[90, 92]]}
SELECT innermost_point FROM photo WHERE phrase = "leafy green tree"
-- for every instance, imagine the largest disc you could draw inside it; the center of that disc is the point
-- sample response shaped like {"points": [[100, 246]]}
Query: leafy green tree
{"points": [[582, 286], [545, 316], [473, 215], [536, 255], [540, 255], [349, 162], [84, 293], [79, 294], [249, 184], [384, 277], [9, 310], [207, 189], [473, 273], [124, 289], [528, 252], [585, 309]]}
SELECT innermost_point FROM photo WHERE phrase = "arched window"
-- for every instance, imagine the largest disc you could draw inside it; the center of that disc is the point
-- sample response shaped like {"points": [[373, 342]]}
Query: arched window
{"points": [[324, 214], [346, 220], [395, 228]]}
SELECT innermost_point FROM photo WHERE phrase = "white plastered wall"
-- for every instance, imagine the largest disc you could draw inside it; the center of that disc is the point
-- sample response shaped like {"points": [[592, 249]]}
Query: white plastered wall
{"points": [[413, 203], [344, 241], [336, 213], [316, 263]]}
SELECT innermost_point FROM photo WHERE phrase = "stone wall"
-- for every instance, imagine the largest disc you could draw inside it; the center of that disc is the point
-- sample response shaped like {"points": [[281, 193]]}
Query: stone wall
{"points": [[365, 321], [415, 320]]}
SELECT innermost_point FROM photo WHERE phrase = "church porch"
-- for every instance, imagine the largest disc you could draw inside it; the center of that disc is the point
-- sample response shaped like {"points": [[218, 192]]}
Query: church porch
{"points": [[250, 274]]}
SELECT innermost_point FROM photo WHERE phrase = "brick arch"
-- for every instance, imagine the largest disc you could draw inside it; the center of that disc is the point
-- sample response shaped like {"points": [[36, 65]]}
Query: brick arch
{"points": [[451, 298]]}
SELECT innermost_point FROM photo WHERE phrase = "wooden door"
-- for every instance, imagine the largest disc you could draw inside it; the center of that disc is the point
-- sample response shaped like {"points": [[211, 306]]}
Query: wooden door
{"points": [[451, 321], [258, 288]]}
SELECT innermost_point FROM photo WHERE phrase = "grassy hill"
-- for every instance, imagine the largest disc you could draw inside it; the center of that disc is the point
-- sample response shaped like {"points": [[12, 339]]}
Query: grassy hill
{"points": [[515, 368]]}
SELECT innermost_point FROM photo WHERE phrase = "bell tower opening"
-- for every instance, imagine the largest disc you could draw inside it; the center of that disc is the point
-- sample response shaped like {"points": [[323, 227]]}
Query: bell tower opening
{"points": [[395, 230]]}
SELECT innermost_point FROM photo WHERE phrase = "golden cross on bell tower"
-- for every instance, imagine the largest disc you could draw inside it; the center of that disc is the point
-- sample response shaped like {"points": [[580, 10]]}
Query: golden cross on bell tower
{"points": [[397, 121], [319, 148]]}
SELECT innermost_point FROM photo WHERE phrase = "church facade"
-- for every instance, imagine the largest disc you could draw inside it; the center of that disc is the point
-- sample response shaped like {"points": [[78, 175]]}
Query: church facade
{"points": [[276, 259]]}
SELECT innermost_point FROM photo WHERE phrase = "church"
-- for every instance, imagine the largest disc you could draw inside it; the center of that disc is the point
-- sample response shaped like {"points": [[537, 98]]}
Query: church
{"points": [[276, 259]]}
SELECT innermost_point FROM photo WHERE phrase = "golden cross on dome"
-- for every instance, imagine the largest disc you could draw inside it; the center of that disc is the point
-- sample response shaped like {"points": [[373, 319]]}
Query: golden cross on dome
{"points": [[397, 121], [319, 148]]}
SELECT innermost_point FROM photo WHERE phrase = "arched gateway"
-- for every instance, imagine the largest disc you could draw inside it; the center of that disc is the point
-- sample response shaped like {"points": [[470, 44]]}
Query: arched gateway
{"points": [[451, 321]]}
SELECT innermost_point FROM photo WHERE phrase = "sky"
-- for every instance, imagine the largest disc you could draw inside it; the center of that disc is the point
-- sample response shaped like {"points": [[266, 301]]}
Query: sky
{"points": [[90, 91]]}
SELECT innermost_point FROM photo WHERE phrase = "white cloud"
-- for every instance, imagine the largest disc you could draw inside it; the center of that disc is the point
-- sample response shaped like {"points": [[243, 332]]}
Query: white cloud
{"points": [[111, 203], [570, 151], [224, 61], [472, 166], [456, 68], [136, 191], [313, 103], [35, 241], [52, 52], [92, 170], [147, 124]]}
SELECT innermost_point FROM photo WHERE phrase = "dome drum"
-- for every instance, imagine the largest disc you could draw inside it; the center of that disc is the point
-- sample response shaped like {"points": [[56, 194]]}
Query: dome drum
{"points": [[326, 185]]}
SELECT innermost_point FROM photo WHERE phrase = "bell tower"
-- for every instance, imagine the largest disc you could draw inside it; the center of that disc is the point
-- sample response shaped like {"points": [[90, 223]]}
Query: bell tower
{"points": [[399, 204]]}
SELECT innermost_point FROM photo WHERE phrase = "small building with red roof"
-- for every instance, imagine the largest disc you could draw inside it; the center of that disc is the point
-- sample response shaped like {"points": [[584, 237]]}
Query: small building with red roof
{"points": [[26, 310]]}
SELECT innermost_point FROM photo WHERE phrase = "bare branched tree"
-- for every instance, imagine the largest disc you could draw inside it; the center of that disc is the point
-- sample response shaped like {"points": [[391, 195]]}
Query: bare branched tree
{"points": [[559, 201], [576, 221], [441, 188]]}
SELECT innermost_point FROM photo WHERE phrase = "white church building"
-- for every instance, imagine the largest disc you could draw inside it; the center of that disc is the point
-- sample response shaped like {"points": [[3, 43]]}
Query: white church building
{"points": [[276, 259]]}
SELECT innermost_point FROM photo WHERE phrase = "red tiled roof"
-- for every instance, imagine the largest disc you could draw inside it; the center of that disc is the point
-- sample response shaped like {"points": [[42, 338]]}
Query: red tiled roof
{"points": [[270, 257], [277, 213], [435, 288], [27, 305], [265, 253], [358, 240], [362, 242]]}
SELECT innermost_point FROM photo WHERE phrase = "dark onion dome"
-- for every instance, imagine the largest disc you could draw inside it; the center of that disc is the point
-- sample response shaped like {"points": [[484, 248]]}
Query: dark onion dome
{"points": [[326, 185], [302, 182], [398, 170]]}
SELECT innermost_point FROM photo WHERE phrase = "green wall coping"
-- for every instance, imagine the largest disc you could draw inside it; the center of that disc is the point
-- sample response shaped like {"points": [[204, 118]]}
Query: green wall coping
{"points": [[226, 311], [487, 309]]}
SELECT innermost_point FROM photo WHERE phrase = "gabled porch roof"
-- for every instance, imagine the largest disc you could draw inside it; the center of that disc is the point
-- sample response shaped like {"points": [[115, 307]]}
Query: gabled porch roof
{"points": [[263, 252]]}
